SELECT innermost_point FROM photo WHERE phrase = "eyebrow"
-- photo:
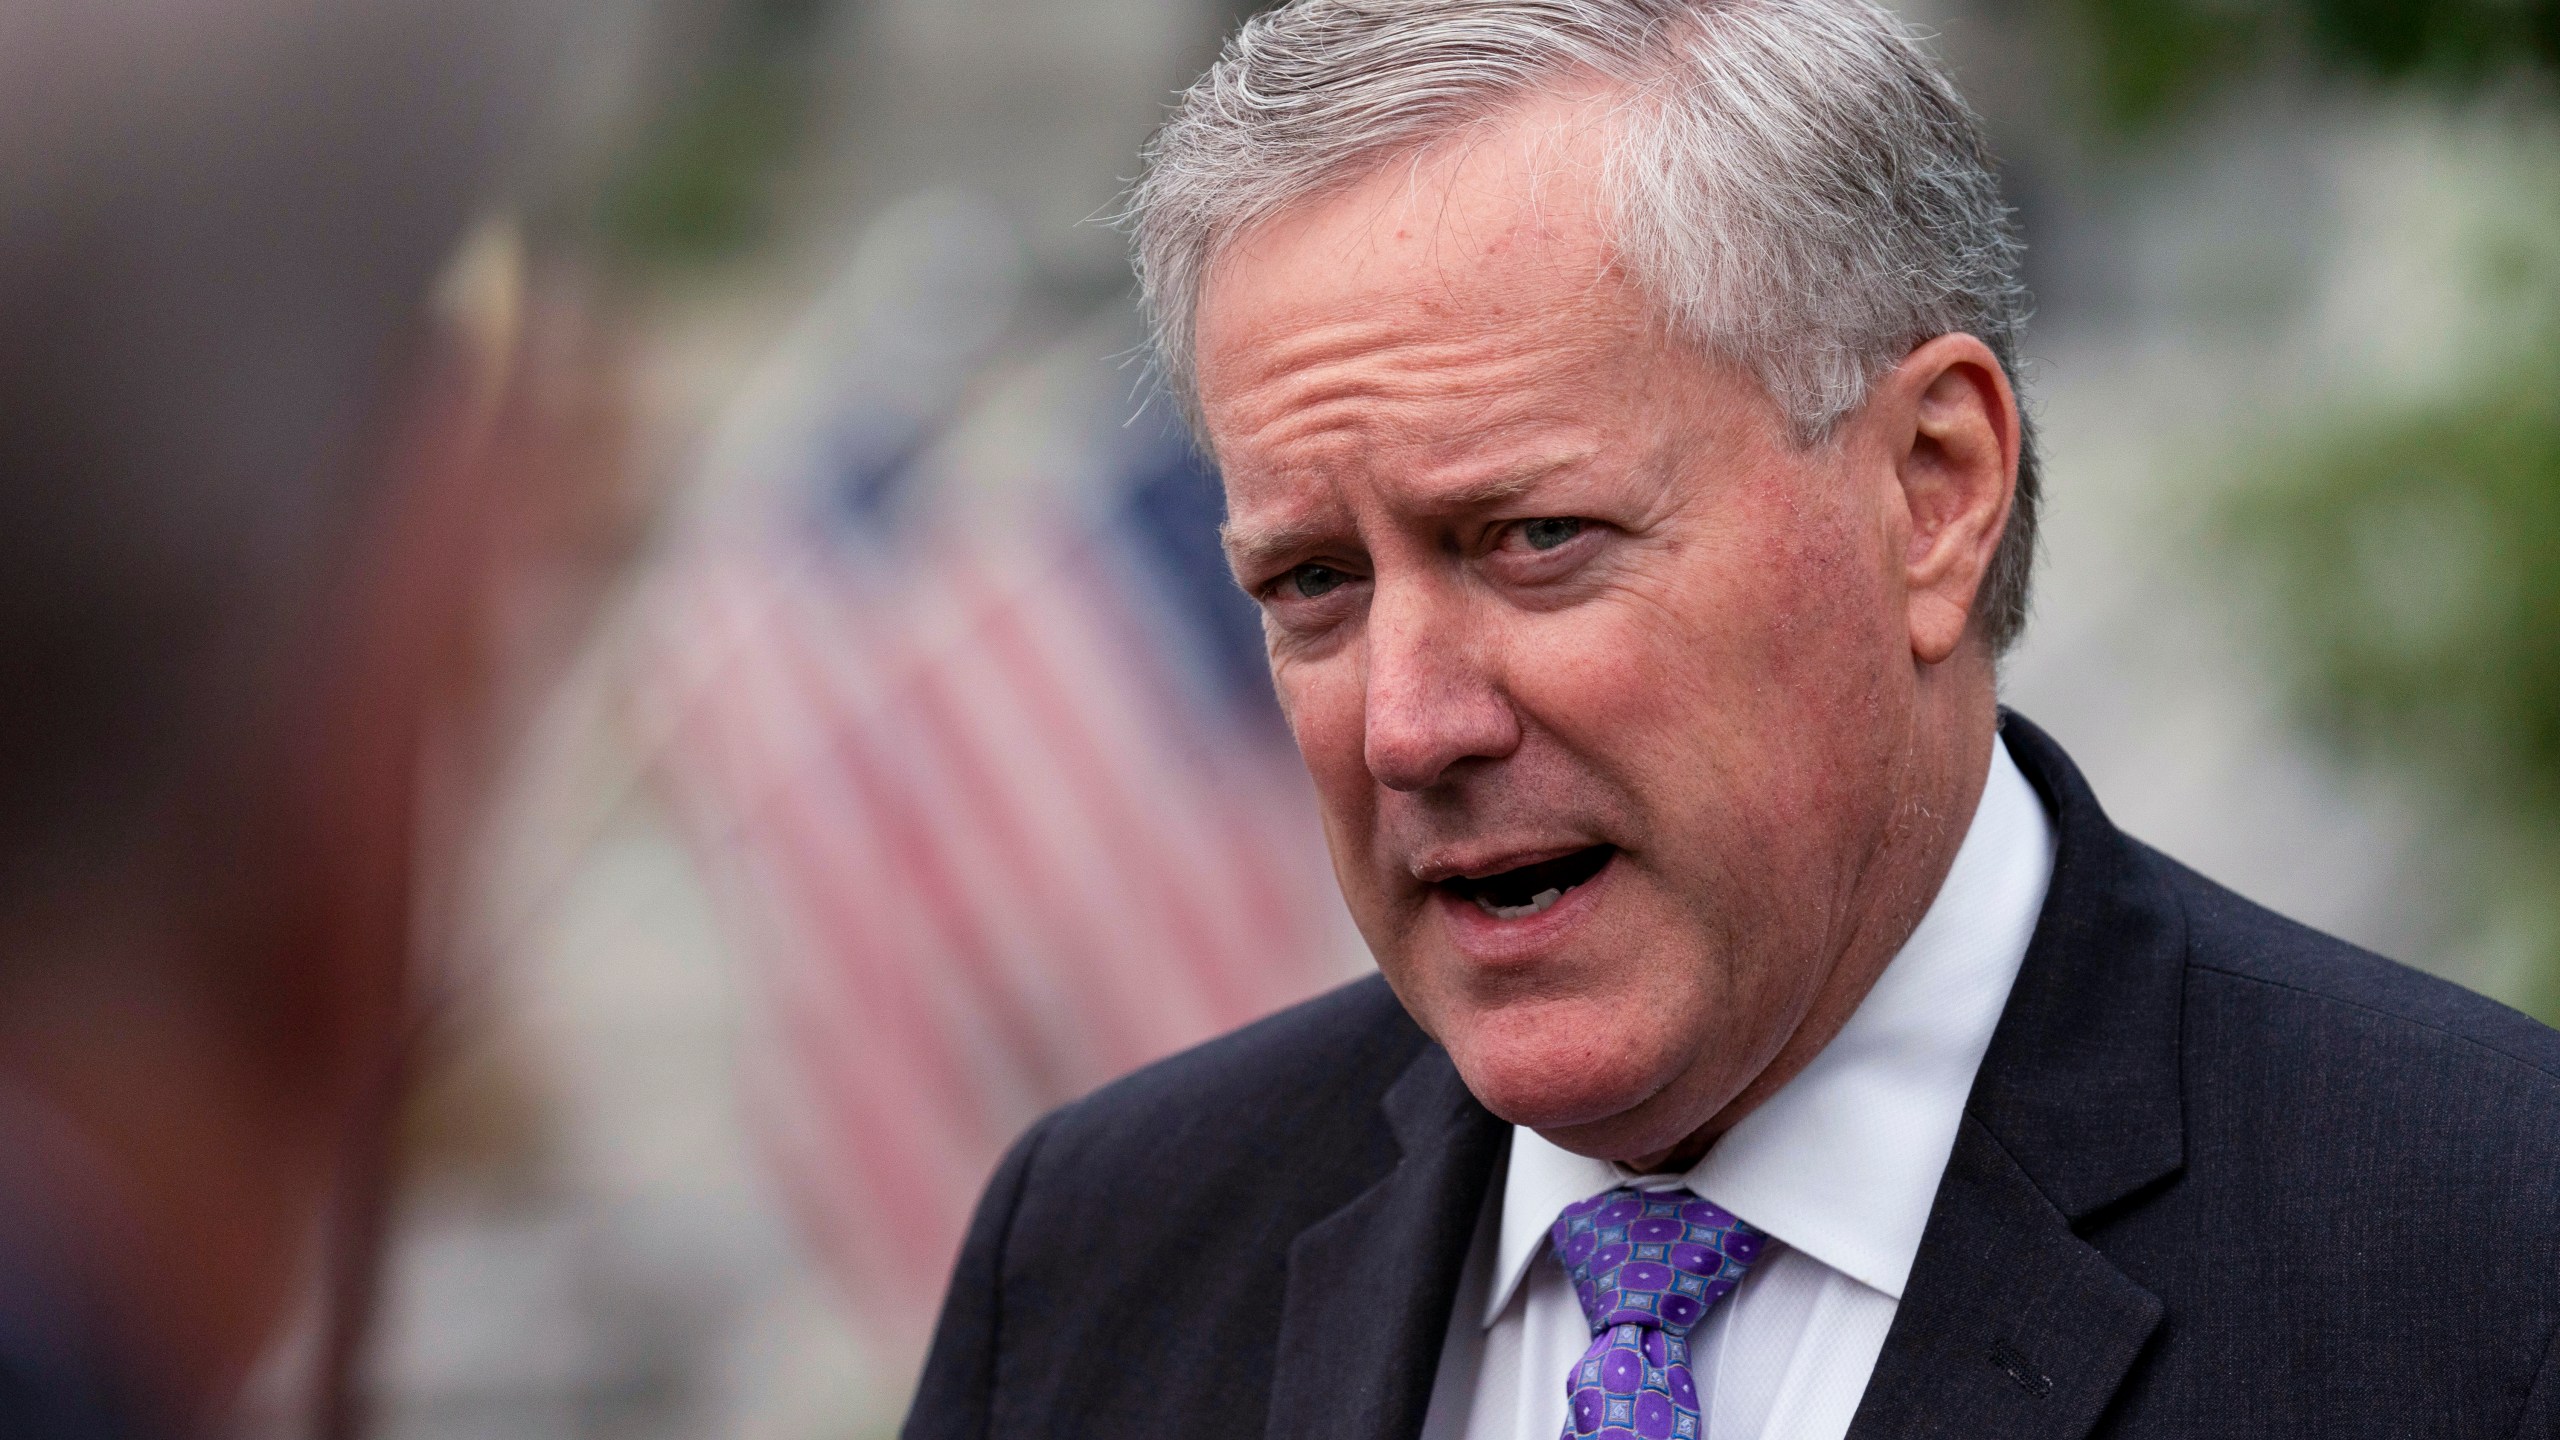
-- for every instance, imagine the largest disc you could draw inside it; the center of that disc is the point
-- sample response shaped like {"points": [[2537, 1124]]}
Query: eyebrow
{"points": [[1253, 547]]}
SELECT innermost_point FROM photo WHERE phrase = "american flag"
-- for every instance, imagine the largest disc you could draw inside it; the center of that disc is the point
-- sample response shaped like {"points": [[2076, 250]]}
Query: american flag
{"points": [[977, 735]]}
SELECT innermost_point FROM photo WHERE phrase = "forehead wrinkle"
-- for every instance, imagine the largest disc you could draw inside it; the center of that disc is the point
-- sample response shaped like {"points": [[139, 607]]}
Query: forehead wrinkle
{"points": [[1453, 313], [1498, 486], [1455, 343], [1251, 542], [1348, 378], [1258, 541]]}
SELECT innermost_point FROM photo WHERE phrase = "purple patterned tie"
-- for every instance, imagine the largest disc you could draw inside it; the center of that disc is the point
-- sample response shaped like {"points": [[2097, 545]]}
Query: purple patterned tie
{"points": [[1648, 1265]]}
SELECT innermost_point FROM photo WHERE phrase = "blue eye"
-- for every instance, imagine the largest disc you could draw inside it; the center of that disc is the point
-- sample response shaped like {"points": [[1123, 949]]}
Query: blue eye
{"points": [[1548, 534], [1313, 582]]}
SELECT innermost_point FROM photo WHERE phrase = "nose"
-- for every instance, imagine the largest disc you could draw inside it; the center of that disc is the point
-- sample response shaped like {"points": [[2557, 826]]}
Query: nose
{"points": [[1433, 699]]}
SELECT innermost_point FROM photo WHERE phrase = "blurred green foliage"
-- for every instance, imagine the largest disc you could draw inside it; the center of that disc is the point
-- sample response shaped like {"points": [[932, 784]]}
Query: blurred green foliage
{"points": [[2415, 556], [2151, 57], [2412, 545], [697, 188]]}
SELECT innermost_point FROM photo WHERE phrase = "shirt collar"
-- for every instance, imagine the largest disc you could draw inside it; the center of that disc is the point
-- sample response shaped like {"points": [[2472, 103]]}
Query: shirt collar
{"points": [[1843, 1161]]}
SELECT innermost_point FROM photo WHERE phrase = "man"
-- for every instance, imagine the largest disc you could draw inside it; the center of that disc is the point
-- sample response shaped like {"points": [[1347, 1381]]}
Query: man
{"points": [[1616, 401], [243, 505]]}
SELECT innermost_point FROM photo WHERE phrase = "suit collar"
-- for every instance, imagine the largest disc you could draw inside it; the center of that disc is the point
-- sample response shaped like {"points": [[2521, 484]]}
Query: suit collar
{"points": [[2014, 1326], [1371, 1286], [2081, 1083]]}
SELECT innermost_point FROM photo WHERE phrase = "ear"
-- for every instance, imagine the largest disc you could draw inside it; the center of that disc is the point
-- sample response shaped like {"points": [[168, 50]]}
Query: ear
{"points": [[1951, 427]]}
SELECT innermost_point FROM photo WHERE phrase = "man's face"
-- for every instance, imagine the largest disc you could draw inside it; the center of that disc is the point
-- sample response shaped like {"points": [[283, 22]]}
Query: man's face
{"points": [[1604, 681]]}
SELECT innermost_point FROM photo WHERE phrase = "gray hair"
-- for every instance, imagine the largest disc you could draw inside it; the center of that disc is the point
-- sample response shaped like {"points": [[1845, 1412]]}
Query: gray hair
{"points": [[1796, 183]]}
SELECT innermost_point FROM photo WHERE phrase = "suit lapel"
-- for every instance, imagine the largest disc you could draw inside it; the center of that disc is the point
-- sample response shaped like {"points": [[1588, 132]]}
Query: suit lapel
{"points": [[2013, 1326], [1370, 1286]]}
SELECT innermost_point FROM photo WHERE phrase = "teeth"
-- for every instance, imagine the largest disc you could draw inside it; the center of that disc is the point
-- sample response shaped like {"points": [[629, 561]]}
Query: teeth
{"points": [[1538, 904]]}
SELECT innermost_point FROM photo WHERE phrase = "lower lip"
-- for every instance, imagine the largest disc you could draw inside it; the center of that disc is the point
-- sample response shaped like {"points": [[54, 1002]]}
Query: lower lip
{"points": [[1492, 941]]}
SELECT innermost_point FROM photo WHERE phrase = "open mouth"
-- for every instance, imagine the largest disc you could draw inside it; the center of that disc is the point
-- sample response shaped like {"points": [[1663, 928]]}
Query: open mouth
{"points": [[1530, 889]]}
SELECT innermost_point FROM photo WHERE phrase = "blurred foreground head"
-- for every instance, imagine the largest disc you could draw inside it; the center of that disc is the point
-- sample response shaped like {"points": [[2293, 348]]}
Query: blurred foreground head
{"points": [[240, 513]]}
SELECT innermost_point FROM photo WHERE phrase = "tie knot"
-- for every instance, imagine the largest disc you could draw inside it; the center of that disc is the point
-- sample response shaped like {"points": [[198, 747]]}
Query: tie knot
{"points": [[1652, 1257]]}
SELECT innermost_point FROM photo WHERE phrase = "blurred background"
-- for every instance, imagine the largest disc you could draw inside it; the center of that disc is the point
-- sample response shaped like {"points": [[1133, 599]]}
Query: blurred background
{"points": [[908, 766]]}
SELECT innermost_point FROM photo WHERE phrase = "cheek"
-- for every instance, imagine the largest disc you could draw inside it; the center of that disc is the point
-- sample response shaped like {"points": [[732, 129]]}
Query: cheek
{"points": [[1782, 618], [1733, 681], [1824, 578], [1324, 703], [1647, 681]]}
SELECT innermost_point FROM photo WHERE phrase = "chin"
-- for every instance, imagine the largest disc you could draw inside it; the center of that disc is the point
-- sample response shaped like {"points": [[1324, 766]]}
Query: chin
{"points": [[1557, 1065], [1630, 1136]]}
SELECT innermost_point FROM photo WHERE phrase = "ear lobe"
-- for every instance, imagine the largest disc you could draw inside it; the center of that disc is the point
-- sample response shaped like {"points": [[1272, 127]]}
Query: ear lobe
{"points": [[1958, 467]]}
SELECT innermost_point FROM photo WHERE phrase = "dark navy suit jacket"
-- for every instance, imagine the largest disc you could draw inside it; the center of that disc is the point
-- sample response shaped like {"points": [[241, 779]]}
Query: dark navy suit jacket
{"points": [[2219, 1175]]}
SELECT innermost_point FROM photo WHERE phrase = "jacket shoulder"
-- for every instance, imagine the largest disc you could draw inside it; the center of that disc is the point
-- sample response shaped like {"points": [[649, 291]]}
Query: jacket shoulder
{"points": [[2318, 981], [1301, 1075], [2362, 1224], [1144, 1230]]}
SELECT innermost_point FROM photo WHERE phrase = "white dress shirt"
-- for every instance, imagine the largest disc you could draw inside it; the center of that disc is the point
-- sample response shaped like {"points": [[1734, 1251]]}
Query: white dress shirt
{"points": [[1838, 1168]]}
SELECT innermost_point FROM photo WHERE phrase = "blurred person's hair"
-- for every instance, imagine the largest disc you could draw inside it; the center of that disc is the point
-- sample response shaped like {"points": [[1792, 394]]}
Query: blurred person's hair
{"points": [[1796, 183]]}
